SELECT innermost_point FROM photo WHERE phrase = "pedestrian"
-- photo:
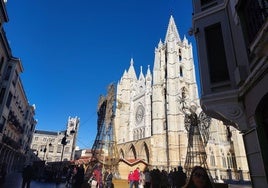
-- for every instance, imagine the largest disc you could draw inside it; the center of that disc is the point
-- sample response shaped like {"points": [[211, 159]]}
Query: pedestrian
{"points": [[78, 177], [199, 178], [142, 180], [130, 179], [180, 177], [93, 181], [147, 178], [109, 179], [27, 176], [3, 172], [136, 177]]}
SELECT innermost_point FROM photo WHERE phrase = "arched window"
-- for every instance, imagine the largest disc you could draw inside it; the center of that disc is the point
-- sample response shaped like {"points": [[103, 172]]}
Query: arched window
{"points": [[229, 160], [212, 159], [66, 149], [181, 72], [141, 133], [223, 161]]}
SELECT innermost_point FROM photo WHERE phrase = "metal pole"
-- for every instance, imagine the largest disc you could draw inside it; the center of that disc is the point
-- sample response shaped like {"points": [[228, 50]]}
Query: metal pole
{"points": [[62, 152], [180, 149]]}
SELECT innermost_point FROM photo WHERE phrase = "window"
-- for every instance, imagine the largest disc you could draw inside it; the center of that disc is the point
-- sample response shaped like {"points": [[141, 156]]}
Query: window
{"points": [[180, 57], [1, 63], [66, 149], [2, 95], [2, 123], [223, 161], [8, 72], [205, 2], [253, 14], [49, 159], [14, 81], [181, 72], [229, 161], [50, 149], [36, 138], [34, 147], [212, 159], [59, 149], [217, 62], [9, 99]]}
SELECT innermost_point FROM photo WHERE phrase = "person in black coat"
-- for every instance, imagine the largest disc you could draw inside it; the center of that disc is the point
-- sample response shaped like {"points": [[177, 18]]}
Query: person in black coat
{"points": [[27, 176], [79, 177], [109, 179], [180, 177]]}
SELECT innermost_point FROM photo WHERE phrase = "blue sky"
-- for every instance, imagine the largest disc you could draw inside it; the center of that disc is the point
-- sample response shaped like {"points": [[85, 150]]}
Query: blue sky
{"points": [[72, 50]]}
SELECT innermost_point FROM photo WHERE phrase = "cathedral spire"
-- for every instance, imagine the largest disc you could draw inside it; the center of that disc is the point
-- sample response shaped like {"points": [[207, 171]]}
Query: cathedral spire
{"points": [[148, 71], [172, 31], [141, 77], [131, 70]]}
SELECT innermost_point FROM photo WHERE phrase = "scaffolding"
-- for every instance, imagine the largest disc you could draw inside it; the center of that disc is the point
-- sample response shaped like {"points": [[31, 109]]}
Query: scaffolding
{"points": [[104, 150], [198, 135], [197, 126]]}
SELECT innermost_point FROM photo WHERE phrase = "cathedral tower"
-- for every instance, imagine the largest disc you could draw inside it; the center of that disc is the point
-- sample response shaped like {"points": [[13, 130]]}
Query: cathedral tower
{"points": [[149, 123]]}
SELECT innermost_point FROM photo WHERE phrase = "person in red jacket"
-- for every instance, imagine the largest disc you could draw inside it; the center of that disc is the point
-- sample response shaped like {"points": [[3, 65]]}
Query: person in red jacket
{"points": [[136, 177], [130, 179]]}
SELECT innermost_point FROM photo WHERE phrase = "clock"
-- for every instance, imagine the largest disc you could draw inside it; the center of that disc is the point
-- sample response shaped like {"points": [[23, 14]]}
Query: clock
{"points": [[139, 114]]}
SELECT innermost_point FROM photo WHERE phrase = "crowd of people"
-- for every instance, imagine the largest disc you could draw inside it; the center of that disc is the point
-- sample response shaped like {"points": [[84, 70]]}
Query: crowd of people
{"points": [[156, 178], [73, 176], [176, 178]]}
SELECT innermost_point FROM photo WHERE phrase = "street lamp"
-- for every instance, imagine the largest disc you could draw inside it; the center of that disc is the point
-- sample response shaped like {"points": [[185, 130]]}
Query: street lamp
{"points": [[63, 142], [45, 150]]}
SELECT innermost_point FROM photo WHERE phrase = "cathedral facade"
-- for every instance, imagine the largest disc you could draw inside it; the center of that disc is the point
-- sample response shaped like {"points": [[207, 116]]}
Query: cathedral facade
{"points": [[149, 122]]}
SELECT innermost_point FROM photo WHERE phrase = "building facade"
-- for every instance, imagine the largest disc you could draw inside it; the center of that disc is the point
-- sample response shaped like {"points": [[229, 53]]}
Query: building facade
{"points": [[17, 122], [149, 122], [56, 146], [232, 42]]}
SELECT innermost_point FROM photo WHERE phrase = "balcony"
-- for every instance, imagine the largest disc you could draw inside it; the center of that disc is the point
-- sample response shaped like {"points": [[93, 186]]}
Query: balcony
{"points": [[10, 142], [15, 122]]}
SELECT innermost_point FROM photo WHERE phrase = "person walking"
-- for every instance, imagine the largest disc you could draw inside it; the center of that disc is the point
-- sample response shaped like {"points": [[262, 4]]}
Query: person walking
{"points": [[130, 179], [79, 177], [27, 176], [136, 177], [109, 179], [180, 177], [147, 178]]}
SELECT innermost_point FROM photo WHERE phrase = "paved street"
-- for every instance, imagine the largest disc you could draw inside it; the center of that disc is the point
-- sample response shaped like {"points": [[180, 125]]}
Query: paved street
{"points": [[14, 180], [239, 186]]}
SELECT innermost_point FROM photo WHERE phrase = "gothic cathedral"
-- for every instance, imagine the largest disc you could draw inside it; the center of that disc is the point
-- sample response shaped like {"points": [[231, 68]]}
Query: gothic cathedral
{"points": [[149, 122]]}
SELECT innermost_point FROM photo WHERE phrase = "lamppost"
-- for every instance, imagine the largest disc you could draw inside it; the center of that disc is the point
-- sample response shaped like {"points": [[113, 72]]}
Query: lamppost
{"points": [[63, 142], [45, 150]]}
